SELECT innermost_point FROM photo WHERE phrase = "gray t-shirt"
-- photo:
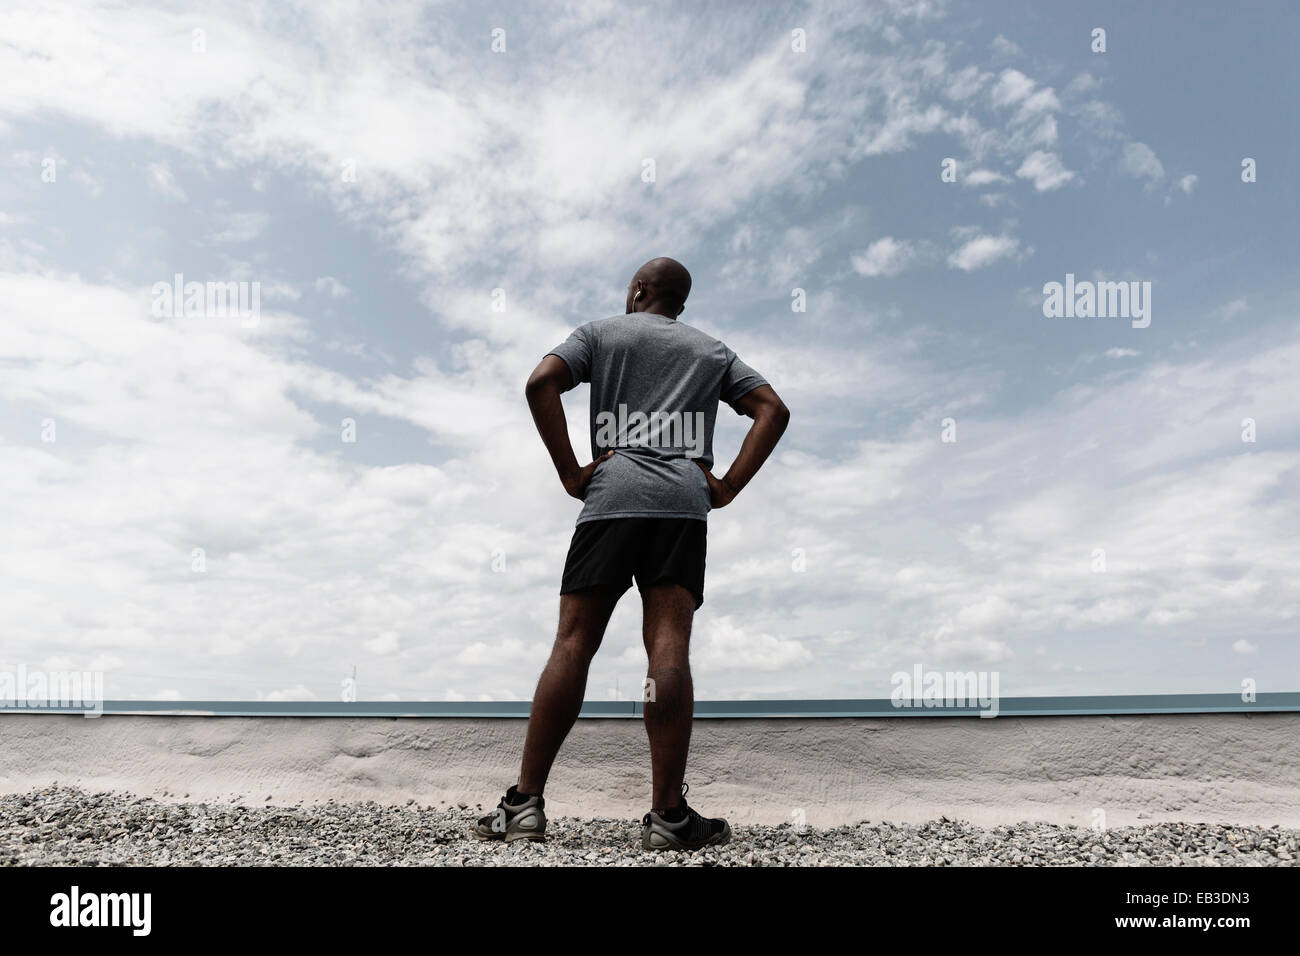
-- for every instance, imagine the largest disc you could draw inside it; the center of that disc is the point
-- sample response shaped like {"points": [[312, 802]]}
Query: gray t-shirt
{"points": [[655, 388]]}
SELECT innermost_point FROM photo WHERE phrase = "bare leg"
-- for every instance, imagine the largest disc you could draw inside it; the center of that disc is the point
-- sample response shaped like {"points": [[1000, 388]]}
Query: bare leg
{"points": [[583, 618], [666, 629]]}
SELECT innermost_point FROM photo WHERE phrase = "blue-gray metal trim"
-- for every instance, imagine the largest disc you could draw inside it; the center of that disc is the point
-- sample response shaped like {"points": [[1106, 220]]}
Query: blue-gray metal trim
{"points": [[705, 709]]}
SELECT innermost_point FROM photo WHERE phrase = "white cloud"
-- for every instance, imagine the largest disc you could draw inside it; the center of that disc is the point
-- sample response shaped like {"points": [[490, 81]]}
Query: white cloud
{"points": [[1004, 48], [164, 183], [482, 654], [729, 646], [1081, 84], [984, 177], [982, 251], [1141, 162], [885, 257], [297, 692], [177, 435], [332, 287], [383, 644], [238, 227], [1045, 171], [1103, 121], [1040, 101], [86, 181], [1012, 87], [966, 83], [1233, 308]]}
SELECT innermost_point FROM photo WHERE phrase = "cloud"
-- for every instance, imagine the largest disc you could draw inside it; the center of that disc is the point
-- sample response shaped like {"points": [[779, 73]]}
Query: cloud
{"points": [[984, 177], [1101, 120], [983, 251], [331, 287], [1004, 48], [1045, 171], [1232, 309], [383, 644], [1081, 84], [524, 172], [966, 83], [1012, 87], [1141, 162], [1040, 101], [1184, 185], [86, 181], [885, 257], [729, 646], [483, 655], [297, 692], [164, 182], [285, 534], [241, 227]]}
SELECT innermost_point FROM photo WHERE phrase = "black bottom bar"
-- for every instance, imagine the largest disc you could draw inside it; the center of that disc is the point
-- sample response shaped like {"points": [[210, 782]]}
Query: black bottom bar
{"points": [[923, 907]]}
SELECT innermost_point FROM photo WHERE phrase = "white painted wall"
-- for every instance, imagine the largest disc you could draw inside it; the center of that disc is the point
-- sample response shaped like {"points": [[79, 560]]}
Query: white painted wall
{"points": [[1233, 768]]}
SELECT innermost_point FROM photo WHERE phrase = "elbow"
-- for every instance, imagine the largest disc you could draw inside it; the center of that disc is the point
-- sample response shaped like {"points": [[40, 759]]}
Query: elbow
{"points": [[771, 413], [534, 387], [780, 415]]}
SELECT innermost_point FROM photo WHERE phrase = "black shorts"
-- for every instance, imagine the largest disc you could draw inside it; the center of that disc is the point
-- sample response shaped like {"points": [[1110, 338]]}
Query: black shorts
{"points": [[611, 552]]}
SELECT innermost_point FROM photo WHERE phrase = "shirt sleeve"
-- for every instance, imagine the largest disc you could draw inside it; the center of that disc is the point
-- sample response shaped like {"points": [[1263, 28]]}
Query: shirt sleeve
{"points": [[576, 351], [738, 380]]}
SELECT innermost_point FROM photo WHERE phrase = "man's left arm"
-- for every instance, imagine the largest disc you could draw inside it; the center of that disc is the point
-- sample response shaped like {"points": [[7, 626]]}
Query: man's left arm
{"points": [[770, 416]]}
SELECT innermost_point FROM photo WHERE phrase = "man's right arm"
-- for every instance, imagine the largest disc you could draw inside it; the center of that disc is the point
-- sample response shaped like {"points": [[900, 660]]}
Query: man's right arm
{"points": [[549, 379], [770, 416]]}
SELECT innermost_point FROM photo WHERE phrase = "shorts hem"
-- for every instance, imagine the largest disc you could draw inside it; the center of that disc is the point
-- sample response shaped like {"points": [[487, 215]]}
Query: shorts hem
{"points": [[583, 519], [575, 586], [672, 579]]}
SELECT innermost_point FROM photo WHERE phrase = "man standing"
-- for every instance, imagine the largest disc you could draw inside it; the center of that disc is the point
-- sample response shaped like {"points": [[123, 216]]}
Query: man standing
{"points": [[655, 388]]}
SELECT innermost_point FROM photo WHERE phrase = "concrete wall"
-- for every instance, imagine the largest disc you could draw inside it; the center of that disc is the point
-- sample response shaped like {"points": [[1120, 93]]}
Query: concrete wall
{"points": [[1232, 768]]}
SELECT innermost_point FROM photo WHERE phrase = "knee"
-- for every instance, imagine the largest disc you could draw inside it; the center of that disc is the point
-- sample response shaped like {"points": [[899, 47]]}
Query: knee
{"points": [[668, 651], [576, 644]]}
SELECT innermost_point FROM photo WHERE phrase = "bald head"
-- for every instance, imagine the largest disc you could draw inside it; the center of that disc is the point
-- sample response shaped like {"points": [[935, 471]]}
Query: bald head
{"points": [[660, 286]]}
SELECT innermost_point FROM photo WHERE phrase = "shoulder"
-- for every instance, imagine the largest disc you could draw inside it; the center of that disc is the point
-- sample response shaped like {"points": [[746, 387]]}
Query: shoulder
{"points": [[702, 343], [598, 327], [703, 338]]}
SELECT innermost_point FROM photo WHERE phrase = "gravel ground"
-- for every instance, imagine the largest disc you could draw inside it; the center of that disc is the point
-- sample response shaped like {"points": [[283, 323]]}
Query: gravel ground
{"points": [[60, 825]]}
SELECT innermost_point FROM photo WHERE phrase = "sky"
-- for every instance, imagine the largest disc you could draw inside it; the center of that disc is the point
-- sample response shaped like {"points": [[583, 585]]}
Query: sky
{"points": [[872, 199]]}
